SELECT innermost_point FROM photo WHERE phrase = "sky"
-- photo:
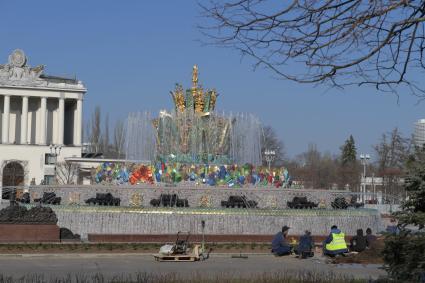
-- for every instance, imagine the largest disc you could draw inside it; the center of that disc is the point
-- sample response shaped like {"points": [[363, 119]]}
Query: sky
{"points": [[130, 54]]}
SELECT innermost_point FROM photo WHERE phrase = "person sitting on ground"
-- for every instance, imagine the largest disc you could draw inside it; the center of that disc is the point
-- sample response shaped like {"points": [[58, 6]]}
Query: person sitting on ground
{"points": [[370, 238], [305, 246], [280, 245], [393, 228], [335, 243], [358, 242]]}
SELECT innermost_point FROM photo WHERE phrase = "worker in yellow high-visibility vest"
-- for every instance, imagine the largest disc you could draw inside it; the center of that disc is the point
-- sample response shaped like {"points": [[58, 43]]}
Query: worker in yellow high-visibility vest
{"points": [[335, 243]]}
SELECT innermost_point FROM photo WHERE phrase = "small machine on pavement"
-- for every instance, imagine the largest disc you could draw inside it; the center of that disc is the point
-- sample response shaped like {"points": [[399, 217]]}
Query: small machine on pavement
{"points": [[181, 250]]}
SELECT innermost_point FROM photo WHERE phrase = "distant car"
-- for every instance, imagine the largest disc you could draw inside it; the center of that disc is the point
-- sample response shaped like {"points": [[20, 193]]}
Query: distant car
{"points": [[239, 201], [353, 202], [25, 198], [169, 200], [301, 203], [341, 203], [104, 199], [49, 198]]}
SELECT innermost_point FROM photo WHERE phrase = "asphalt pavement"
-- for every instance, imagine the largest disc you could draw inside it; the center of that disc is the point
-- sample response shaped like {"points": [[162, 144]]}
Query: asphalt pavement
{"points": [[124, 264]]}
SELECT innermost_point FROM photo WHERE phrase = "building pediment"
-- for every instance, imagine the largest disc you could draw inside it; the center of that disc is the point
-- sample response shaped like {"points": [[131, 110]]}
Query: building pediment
{"points": [[17, 73]]}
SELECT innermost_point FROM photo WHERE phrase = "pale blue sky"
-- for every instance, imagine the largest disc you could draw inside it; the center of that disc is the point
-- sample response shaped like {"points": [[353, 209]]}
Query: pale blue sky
{"points": [[131, 53]]}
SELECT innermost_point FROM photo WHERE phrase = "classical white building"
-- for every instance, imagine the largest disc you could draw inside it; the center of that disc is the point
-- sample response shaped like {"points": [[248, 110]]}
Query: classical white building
{"points": [[419, 133], [41, 121]]}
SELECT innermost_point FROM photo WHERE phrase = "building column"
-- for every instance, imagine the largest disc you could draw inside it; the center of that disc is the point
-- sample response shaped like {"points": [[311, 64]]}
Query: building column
{"points": [[61, 121], [42, 123], [24, 120], [6, 118], [79, 122]]}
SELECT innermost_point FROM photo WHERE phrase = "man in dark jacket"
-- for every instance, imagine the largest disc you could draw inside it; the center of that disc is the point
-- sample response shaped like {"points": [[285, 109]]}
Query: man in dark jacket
{"points": [[335, 243], [358, 243], [280, 245], [370, 238], [305, 246], [393, 228]]}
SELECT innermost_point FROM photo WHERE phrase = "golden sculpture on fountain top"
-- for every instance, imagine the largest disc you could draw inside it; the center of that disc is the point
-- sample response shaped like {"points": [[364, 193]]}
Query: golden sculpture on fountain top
{"points": [[213, 99], [193, 132], [199, 100], [194, 81], [195, 77], [178, 98], [202, 101]]}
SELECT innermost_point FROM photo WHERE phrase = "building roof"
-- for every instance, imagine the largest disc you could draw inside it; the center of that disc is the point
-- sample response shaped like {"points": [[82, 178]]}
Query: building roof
{"points": [[56, 79]]}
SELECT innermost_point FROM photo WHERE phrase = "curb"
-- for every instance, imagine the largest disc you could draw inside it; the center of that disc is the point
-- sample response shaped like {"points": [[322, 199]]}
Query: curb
{"points": [[107, 255]]}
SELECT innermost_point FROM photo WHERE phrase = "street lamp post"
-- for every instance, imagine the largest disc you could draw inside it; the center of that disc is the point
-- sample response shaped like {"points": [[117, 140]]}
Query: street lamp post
{"points": [[364, 159], [270, 155], [55, 150]]}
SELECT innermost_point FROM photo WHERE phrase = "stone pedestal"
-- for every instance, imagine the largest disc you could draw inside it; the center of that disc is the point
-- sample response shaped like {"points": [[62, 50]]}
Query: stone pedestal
{"points": [[29, 233]]}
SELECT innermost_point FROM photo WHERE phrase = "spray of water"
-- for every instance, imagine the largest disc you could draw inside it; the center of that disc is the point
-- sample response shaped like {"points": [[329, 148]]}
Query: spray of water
{"points": [[193, 132], [140, 139], [245, 139], [189, 137]]}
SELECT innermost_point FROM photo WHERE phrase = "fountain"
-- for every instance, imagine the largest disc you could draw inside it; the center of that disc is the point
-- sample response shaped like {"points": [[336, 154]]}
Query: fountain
{"points": [[191, 165], [193, 132]]}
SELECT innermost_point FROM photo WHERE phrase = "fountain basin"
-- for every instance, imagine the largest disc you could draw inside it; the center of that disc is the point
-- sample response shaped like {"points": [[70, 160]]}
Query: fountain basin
{"points": [[86, 220]]}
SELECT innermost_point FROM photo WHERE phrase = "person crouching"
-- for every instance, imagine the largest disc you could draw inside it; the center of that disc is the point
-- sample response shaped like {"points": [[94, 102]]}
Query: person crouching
{"points": [[335, 243], [306, 245], [280, 245], [359, 242]]}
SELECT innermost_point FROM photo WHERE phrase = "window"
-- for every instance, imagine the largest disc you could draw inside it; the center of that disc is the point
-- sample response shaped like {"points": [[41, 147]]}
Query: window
{"points": [[49, 179], [50, 159]]}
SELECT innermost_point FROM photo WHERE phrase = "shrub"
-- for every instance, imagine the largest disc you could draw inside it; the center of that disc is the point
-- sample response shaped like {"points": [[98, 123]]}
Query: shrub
{"points": [[404, 252]]}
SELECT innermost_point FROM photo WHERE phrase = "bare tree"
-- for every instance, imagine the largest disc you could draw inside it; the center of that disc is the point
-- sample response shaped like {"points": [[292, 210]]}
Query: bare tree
{"points": [[67, 172], [95, 137], [119, 138], [314, 169], [87, 131], [392, 151], [338, 42], [271, 141], [105, 138]]}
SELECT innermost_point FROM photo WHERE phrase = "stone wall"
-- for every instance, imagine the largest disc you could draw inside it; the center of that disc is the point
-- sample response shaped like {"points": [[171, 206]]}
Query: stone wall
{"points": [[29, 233], [102, 220], [267, 197], [136, 216], [384, 208]]}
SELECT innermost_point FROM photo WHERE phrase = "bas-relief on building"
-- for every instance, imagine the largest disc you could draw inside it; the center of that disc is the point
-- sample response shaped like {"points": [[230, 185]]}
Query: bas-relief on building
{"points": [[37, 111]]}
